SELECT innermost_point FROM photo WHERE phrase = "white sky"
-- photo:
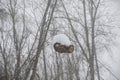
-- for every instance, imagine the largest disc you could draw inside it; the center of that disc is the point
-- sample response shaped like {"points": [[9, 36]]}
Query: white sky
{"points": [[114, 60]]}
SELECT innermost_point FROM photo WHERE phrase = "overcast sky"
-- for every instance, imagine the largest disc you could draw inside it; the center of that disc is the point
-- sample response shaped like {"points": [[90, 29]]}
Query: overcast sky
{"points": [[114, 60]]}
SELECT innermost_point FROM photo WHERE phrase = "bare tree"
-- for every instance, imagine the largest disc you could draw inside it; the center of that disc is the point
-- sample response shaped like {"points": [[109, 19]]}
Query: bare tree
{"points": [[43, 33], [26, 32]]}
